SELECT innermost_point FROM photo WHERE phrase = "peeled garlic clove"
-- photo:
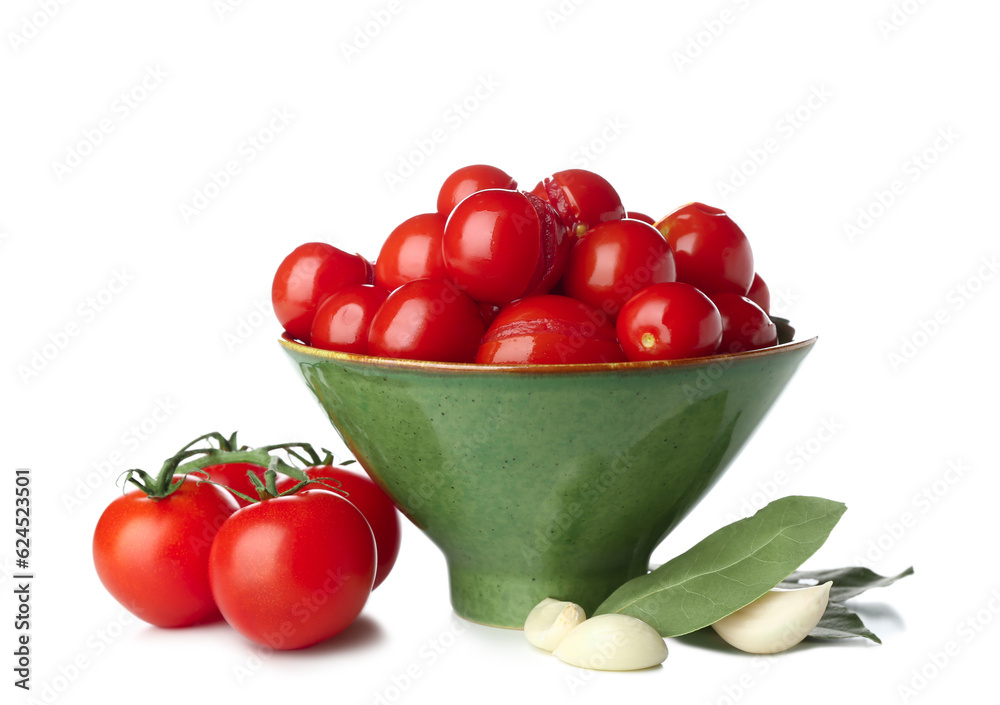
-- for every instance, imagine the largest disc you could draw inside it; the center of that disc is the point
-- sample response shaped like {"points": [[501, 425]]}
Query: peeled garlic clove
{"points": [[777, 621], [550, 621], [613, 642]]}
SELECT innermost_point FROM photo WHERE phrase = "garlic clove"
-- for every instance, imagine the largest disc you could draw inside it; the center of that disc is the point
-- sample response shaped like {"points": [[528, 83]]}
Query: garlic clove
{"points": [[613, 642], [550, 621], [778, 620]]}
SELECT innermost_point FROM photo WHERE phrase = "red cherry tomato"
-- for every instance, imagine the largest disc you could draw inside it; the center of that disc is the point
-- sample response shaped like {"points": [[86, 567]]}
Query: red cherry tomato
{"points": [[613, 261], [234, 476], [152, 554], [582, 199], [745, 326], [372, 502], [466, 181], [412, 251], [710, 250], [669, 321], [306, 277], [549, 330], [636, 215], [427, 319], [760, 294], [504, 245], [342, 321], [292, 571]]}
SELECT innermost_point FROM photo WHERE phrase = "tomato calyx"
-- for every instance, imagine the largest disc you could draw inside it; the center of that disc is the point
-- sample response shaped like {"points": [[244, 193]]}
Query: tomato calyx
{"points": [[222, 450], [268, 487], [167, 481]]}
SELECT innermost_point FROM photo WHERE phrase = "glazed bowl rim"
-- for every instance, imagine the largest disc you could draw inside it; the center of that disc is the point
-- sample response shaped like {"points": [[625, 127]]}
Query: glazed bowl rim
{"points": [[391, 363]]}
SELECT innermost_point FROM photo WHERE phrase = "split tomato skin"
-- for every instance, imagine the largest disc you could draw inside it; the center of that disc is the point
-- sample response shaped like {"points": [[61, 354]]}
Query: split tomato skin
{"points": [[290, 572], [502, 245], [669, 321], [152, 555], [343, 321], [710, 250], [427, 319], [412, 251], [582, 199], [309, 274], [549, 330], [373, 503], [466, 181], [615, 260]]}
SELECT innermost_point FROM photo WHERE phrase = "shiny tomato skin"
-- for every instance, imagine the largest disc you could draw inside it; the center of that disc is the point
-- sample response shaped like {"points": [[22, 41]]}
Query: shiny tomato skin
{"points": [[427, 319], [309, 274], [549, 330], [711, 252], [636, 215], [372, 502], [669, 321], [503, 245], [412, 251], [469, 179], [234, 476], [760, 294], [292, 571], [152, 555], [582, 199], [612, 261], [343, 320], [745, 326]]}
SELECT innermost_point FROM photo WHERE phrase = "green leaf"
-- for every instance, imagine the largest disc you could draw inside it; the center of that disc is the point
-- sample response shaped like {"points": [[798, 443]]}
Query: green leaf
{"points": [[847, 582], [839, 622], [730, 568]]}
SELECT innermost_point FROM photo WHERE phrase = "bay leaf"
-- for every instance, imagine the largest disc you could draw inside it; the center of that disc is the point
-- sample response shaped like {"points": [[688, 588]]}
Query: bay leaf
{"points": [[847, 582], [730, 568], [840, 622]]}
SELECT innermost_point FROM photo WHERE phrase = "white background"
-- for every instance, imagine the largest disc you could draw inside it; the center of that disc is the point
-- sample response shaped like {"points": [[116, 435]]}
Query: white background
{"points": [[800, 119]]}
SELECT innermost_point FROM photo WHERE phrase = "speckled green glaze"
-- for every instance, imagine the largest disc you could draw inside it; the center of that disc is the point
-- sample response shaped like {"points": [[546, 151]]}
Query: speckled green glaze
{"points": [[545, 481]]}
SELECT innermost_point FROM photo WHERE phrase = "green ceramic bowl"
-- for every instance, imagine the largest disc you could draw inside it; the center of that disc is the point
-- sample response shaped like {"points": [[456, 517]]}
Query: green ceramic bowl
{"points": [[545, 480]]}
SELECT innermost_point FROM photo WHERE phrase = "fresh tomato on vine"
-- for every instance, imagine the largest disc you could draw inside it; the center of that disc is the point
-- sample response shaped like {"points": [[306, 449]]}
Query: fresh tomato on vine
{"points": [[292, 570], [374, 504], [151, 545]]}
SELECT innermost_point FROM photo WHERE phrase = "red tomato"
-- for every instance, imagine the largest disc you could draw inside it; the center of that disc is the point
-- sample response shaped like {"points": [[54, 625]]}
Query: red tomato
{"points": [[372, 502], [636, 215], [152, 554], [234, 476], [412, 251], [466, 181], [306, 277], [711, 252], [292, 571], [549, 330], [760, 294], [582, 199], [427, 319], [669, 321], [745, 326], [342, 321], [613, 261], [504, 245]]}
